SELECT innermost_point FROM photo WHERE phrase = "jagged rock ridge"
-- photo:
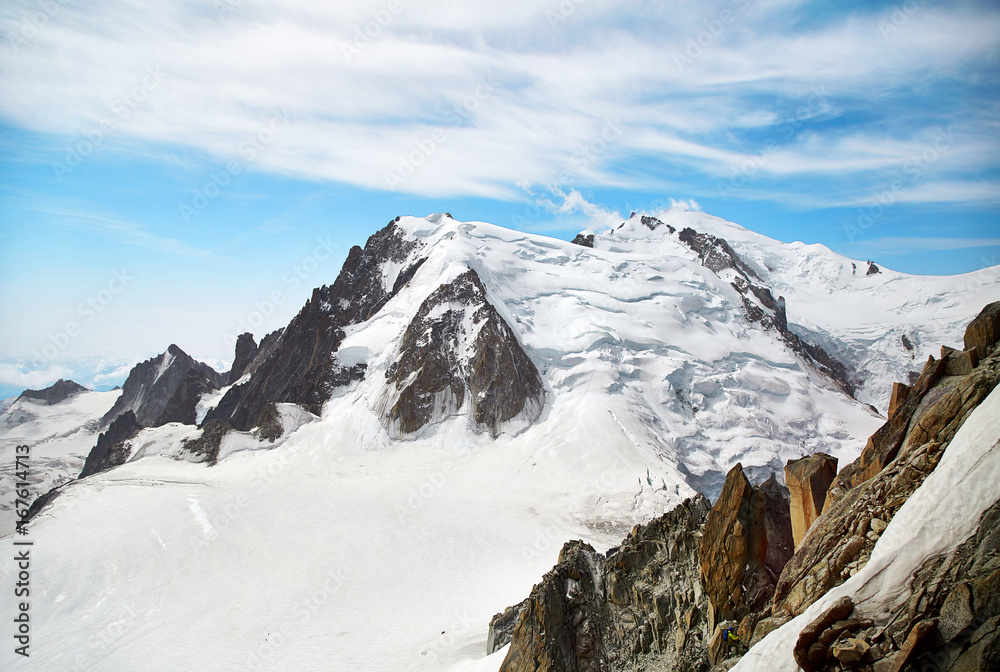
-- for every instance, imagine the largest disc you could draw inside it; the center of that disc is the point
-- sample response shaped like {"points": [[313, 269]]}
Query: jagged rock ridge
{"points": [[165, 389], [640, 606], [950, 620], [300, 366]]}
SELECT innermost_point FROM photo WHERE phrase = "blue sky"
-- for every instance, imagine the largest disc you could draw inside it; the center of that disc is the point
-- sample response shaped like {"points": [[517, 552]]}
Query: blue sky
{"points": [[174, 173]]}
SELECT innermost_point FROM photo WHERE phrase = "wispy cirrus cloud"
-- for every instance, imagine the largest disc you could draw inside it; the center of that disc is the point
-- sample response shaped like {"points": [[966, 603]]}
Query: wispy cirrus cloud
{"points": [[558, 76], [130, 233], [915, 244]]}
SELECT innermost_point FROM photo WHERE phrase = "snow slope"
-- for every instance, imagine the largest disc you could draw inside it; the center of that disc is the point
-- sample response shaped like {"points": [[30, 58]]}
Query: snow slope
{"points": [[860, 318], [341, 548], [60, 437], [941, 514]]}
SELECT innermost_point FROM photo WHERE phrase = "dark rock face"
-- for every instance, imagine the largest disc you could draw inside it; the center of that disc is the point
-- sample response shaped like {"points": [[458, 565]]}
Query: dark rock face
{"points": [[563, 625], [165, 389], [206, 447], [652, 223], [59, 391], [760, 306], [715, 253], [585, 240], [456, 347], [110, 450], [872, 268], [246, 348], [654, 594], [746, 542], [640, 607], [502, 627], [300, 365]]}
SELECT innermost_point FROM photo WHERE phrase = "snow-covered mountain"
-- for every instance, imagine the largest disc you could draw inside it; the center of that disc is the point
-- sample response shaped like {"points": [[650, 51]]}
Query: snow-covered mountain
{"points": [[61, 435], [407, 456]]}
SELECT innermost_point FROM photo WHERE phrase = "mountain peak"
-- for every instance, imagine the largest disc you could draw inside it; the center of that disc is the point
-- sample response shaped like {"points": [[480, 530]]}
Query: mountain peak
{"points": [[55, 393]]}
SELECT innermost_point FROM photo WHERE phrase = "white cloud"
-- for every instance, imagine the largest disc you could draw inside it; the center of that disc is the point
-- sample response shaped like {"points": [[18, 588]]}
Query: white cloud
{"points": [[556, 82], [17, 375], [569, 203]]}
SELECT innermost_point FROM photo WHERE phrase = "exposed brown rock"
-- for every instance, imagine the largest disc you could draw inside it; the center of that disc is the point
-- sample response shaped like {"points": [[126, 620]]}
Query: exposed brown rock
{"points": [[734, 549], [899, 393], [867, 493], [806, 655], [984, 331], [808, 480], [850, 650]]}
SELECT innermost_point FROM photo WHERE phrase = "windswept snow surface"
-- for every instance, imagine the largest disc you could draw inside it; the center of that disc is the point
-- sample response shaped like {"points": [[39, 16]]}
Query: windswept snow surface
{"points": [[59, 435], [941, 514], [859, 318], [338, 548]]}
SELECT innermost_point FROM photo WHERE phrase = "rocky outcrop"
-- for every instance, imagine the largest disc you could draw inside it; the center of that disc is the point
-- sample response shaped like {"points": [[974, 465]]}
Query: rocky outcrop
{"points": [[584, 239], [59, 391], [949, 623], [165, 389], [246, 349], [639, 607], [655, 598], [652, 223], [502, 627], [866, 494], [873, 269], [300, 363], [111, 450], [900, 391], [563, 625], [983, 332], [808, 480], [458, 352], [746, 542], [206, 446]]}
